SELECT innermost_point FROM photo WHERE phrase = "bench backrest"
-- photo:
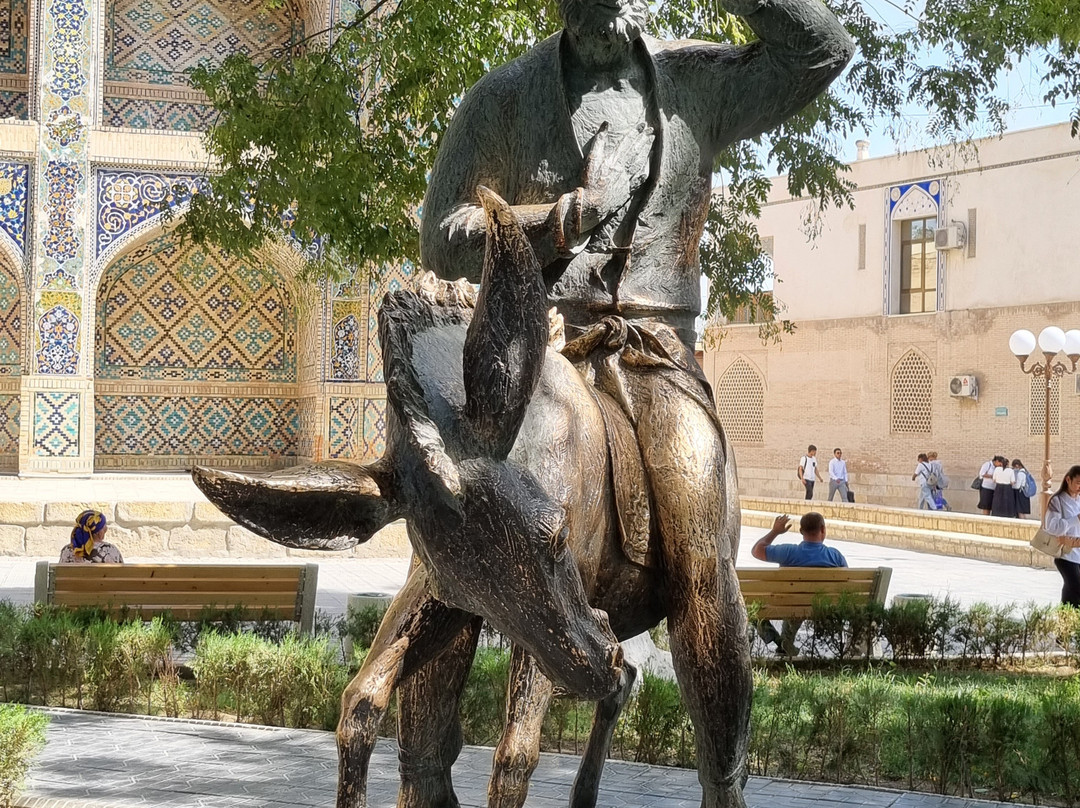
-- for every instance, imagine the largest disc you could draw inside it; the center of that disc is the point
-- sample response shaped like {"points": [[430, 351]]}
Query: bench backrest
{"points": [[788, 592], [278, 591]]}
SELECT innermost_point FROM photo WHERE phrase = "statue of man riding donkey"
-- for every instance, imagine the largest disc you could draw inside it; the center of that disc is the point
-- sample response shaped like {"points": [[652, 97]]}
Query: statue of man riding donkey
{"points": [[562, 472]]}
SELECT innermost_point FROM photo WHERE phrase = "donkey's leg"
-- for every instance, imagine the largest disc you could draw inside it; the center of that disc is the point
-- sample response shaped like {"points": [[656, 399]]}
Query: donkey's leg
{"points": [[518, 752], [429, 726], [697, 499], [415, 629], [587, 783]]}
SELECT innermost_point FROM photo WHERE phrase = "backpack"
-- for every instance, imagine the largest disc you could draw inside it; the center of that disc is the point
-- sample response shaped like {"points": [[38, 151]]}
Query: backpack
{"points": [[931, 478], [1030, 486], [802, 466]]}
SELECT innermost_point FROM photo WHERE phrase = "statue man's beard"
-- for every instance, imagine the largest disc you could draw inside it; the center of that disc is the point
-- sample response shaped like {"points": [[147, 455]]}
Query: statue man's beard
{"points": [[583, 22]]}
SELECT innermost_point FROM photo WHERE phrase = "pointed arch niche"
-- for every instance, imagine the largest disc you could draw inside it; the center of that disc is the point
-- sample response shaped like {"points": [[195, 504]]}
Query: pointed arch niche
{"points": [[740, 402], [194, 361], [912, 395]]}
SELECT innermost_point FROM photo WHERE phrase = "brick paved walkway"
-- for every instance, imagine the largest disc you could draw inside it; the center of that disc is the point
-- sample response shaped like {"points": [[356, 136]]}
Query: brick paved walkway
{"points": [[93, 760]]}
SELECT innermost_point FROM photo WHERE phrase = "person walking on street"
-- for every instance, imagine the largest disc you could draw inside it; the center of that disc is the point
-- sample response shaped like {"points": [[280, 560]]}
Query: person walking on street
{"points": [[1004, 502], [1063, 520], [986, 487], [810, 552], [807, 470], [838, 479], [938, 481], [922, 478]]}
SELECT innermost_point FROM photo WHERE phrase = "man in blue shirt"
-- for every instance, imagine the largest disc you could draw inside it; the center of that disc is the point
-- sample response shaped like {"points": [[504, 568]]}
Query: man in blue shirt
{"points": [[810, 552]]}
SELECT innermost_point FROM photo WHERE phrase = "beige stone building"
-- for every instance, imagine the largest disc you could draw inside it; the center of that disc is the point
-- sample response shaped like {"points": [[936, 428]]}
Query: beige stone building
{"points": [[904, 306]]}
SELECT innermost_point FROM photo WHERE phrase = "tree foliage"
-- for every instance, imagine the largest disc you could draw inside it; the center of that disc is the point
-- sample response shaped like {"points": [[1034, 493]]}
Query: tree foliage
{"points": [[335, 137]]}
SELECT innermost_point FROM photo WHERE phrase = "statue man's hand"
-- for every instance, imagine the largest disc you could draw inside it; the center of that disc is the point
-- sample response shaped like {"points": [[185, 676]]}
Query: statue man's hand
{"points": [[613, 175], [610, 179]]}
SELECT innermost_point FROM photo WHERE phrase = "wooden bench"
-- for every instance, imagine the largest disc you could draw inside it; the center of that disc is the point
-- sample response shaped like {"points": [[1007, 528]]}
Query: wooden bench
{"points": [[788, 592], [186, 591]]}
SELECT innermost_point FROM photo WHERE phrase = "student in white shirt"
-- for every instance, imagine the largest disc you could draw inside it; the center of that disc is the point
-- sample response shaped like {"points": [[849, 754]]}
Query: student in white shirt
{"points": [[838, 479], [807, 470], [1004, 502], [1063, 520], [986, 489]]}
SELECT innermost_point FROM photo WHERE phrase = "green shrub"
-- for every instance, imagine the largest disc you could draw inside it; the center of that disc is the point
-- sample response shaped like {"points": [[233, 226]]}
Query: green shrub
{"points": [[483, 702], [910, 629], [361, 625], [657, 719], [22, 735]]}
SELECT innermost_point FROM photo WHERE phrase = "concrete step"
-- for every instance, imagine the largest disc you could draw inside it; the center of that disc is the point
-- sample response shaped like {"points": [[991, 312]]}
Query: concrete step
{"points": [[917, 539], [947, 521]]}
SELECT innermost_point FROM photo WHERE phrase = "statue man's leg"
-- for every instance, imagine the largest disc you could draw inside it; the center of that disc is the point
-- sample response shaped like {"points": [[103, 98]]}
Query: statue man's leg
{"points": [[696, 500]]}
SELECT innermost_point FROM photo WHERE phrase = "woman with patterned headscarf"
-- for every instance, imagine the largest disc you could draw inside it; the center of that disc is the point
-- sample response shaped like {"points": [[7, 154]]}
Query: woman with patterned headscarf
{"points": [[88, 543]]}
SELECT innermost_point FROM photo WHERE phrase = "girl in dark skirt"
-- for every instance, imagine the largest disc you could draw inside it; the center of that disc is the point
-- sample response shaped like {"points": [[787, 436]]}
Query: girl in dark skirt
{"points": [[1023, 501], [1004, 503]]}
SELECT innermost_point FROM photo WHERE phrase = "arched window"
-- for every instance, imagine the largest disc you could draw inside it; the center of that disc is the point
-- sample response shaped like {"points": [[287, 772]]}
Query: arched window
{"points": [[740, 401], [912, 395]]}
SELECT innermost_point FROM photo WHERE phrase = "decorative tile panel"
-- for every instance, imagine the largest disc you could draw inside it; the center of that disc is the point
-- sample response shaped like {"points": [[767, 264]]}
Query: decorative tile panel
{"points": [[345, 427], [151, 45], [10, 320], [181, 313], [390, 279], [195, 426], [374, 428], [14, 75], [58, 339], [56, 424], [127, 199], [13, 186], [9, 425], [349, 318], [64, 181]]}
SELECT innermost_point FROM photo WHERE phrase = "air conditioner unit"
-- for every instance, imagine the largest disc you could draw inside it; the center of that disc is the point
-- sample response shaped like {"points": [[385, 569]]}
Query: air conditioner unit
{"points": [[964, 387], [952, 237]]}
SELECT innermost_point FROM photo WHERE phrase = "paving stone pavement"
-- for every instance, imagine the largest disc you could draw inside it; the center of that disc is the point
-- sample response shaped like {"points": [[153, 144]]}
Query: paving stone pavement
{"points": [[95, 760]]}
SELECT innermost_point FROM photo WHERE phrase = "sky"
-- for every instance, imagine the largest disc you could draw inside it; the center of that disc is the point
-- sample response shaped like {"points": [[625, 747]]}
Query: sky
{"points": [[1020, 86]]}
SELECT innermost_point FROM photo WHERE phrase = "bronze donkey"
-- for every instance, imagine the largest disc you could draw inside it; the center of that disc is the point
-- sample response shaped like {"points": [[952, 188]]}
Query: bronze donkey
{"points": [[527, 506]]}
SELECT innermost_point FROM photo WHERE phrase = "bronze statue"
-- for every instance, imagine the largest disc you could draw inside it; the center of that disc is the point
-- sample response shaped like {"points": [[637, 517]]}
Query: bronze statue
{"points": [[502, 454]]}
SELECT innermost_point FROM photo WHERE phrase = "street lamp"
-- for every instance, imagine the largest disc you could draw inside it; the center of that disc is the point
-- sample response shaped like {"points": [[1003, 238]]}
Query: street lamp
{"points": [[1052, 341]]}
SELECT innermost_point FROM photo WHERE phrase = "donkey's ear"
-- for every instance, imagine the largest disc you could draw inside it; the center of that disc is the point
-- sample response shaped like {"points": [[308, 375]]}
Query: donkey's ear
{"points": [[320, 506]]}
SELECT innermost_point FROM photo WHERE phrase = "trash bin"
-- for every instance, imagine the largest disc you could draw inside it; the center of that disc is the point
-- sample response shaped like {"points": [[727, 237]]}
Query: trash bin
{"points": [[357, 603]]}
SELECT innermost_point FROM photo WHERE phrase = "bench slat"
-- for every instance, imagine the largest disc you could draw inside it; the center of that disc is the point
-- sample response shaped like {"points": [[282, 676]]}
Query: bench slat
{"points": [[181, 612], [804, 598], [804, 588], [807, 574], [171, 571], [173, 585], [252, 600]]}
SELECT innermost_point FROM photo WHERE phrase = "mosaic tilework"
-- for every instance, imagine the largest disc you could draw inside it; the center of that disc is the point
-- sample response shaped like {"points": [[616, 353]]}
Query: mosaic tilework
{"points": [[391, 279], [56, 424], [181, 313], [348, 317], [151, 45], [58, 349], [127, 199], [197, 426], [374, 428], [141, 113], [13, 186], [9, 425], [344, 427], [14, 35], [14, 104], [10, 321], [64, 182]]}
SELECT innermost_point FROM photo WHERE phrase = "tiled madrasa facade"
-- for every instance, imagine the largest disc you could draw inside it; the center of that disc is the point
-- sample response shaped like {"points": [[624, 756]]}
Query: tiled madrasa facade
{"points": [[120, 347]]}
